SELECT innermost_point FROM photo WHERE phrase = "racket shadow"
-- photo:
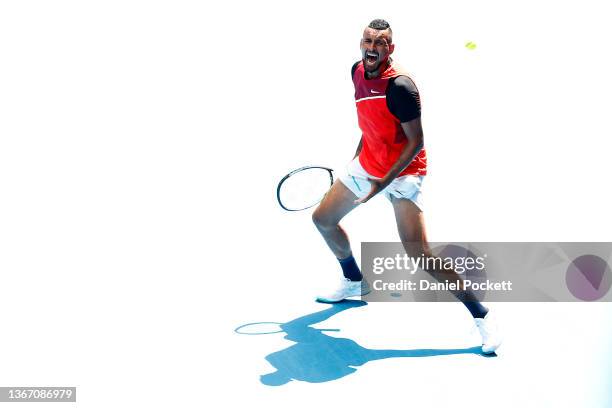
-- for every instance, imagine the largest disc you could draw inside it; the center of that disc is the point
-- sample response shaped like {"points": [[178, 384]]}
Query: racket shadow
{"points": [[316, 357]]}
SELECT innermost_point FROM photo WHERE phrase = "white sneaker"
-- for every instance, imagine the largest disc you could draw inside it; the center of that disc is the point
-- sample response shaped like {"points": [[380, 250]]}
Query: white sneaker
{"points": [[346, 289], [491, 335]]}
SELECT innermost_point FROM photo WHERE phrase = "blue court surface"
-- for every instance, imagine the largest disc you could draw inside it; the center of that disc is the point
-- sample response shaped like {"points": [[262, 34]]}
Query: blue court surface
{"points": [[424, 354]]}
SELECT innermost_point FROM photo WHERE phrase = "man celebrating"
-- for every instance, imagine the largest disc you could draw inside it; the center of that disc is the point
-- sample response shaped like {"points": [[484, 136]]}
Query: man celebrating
{"points": [[390, 159]]}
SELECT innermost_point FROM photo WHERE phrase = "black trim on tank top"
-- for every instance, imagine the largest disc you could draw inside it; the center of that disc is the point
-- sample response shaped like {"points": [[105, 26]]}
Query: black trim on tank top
{"points": [[403, 98]]}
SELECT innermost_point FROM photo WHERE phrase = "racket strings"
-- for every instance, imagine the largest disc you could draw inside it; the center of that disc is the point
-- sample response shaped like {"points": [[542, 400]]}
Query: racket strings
{"points": [[305, 188]]}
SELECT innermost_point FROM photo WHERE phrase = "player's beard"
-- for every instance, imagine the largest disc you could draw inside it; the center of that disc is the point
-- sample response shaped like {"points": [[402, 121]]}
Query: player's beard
{"points": [[373, 70]]}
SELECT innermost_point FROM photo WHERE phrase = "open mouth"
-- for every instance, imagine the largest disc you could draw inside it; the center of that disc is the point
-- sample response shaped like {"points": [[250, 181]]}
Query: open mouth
{"points": [[371, 58]]}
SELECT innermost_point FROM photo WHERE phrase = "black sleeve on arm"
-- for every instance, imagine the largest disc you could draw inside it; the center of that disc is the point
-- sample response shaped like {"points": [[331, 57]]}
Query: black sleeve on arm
{"points": [[403, 99], [354, 69]]}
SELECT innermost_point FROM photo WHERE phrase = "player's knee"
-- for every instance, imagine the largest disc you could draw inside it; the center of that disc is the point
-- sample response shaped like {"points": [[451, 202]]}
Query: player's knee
{"points": [[317, 218], [321, 220]]}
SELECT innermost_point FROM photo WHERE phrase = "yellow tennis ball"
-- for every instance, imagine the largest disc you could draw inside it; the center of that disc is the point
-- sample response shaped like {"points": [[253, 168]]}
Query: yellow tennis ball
{"points": [[470, 45]]}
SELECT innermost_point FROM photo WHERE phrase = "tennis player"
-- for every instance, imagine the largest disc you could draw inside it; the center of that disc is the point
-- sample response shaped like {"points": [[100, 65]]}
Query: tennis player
{"points": [[391, 160]]}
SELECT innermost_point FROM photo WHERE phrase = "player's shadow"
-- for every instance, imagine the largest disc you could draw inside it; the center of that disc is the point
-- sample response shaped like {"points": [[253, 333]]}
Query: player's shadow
{"points": [[316, 357]]}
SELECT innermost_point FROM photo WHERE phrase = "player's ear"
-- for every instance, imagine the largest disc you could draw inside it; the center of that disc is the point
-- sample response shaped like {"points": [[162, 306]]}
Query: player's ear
{"points": [[391, 48]]}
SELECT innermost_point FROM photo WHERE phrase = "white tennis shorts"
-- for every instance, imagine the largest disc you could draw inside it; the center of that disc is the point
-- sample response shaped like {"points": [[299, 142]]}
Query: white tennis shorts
{"points": [[408, 187]]}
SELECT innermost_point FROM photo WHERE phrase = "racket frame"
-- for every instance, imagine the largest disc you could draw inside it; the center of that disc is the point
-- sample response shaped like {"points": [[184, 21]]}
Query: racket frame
{"points": [[280, 183]]}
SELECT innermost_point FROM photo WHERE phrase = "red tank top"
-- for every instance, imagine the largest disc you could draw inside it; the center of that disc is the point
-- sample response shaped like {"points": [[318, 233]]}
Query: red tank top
{"points": [[383, 138]]}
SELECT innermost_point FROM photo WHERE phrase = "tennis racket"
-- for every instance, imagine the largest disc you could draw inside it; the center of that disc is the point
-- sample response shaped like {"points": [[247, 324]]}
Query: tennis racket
{"points": [[304, 187]]}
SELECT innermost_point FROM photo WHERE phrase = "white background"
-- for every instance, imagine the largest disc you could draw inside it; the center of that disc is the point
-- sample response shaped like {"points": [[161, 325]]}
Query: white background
{"points": [[140, 147]]}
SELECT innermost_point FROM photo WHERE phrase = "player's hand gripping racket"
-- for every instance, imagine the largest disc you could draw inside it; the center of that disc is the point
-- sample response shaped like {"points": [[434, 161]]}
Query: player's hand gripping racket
{"points": [[304, 187]]}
